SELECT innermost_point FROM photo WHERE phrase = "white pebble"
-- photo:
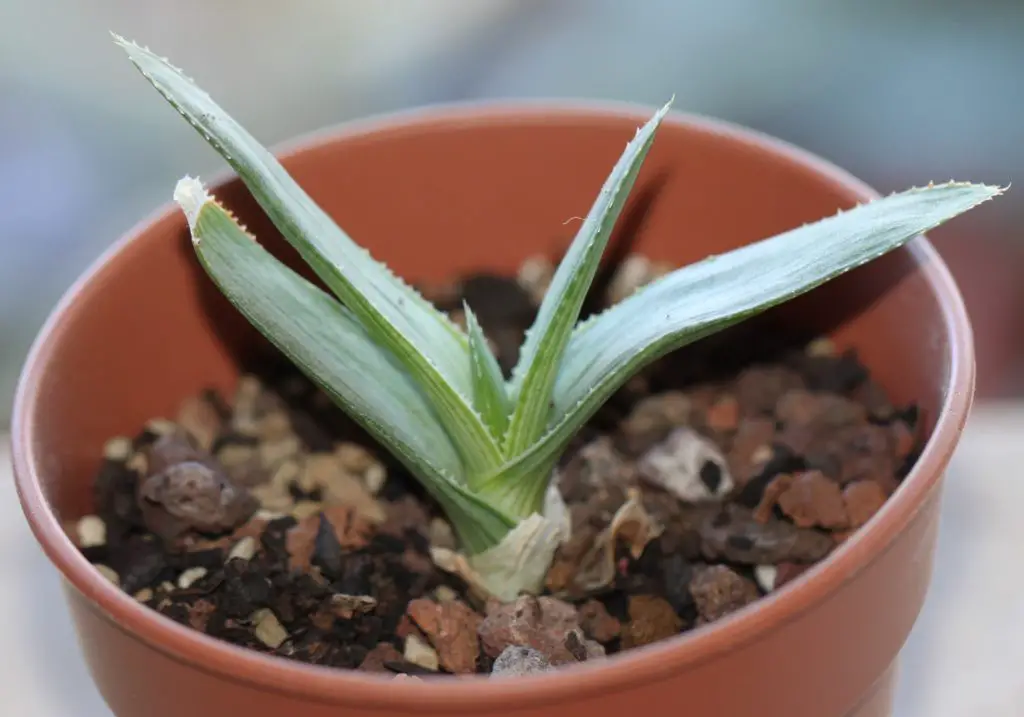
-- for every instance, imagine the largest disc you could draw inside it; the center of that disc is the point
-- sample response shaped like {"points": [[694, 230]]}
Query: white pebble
{"points": [[190, 577], [677, 463], [92, 532], [268, 628], [766, 575], [244, 549], [374, 478], [420, 653], [117, 449]]}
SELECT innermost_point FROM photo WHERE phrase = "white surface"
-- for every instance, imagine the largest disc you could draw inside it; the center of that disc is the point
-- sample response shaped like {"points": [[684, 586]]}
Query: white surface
{"points": [[963, 659]]}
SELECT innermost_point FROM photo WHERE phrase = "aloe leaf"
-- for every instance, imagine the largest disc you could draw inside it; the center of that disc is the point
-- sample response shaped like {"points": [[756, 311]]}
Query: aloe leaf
{"points": [[489, 395], [704, 298], [323, 339], [541, 354], [429, 345]]}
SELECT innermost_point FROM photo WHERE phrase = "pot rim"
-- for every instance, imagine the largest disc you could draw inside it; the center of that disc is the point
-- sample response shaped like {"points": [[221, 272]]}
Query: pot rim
{"points": [[637, 666]]}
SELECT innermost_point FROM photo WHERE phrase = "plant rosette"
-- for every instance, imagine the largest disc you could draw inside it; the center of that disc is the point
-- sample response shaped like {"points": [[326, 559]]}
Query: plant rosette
{"points": [[501, 474]]}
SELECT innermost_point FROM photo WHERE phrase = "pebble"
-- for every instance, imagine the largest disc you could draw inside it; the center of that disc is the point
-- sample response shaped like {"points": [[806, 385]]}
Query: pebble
{"points": [[440, 534], [92, 532], [419, 653], [718, 590], [144, 595], [376, 658], [751, 448], [759, 388], [634, 272], [201, 419], [687, 465], [244, 549], [189, 577], [268, 629], [118, 449], [736, 536], [766, 577], [724, 414], [516, 661], [597, 623], [862, 500], [542, 623], [810, 499], [651, 619], [451, 627], [109, 573]]}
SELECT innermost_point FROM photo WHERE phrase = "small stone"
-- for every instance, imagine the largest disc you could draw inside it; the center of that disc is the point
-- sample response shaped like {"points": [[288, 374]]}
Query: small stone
{"points": [[766, 577], [347, 606], [651, 619], [634, 272], [418, 652], [821, 347], [374, 478], [199, 614], [687, 465], [185, 490], [751, 448], [597, 624], [451, 628], [444, 593], [653, 418], [718, 591], [440, 534], [535, 275], [161, 427], [770, 496], [144, 595], [191, 576], [118, 449], [862, 500], [244, 549], [201, 419], [340, 487], [92, 532], [542, 623], [811, 500], [759, 388], [109, 573], [306, 508], [376, 658], [516, 661], [785, 572], [724, 415], [268, 629], [354, 458], [736, 536]]}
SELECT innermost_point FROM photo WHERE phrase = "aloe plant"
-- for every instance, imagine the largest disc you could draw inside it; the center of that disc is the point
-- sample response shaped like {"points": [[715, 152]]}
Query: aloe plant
{"points": [[432, 393]]}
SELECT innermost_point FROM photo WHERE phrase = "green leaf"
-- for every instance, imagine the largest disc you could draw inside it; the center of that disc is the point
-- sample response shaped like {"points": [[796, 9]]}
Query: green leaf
{"points": [[489, 395], [541, 354], [429, 345], [704, 298], [323, 339]]}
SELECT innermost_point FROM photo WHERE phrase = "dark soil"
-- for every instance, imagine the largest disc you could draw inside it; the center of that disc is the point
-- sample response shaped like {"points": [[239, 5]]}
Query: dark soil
{"points": [[268, 519]]}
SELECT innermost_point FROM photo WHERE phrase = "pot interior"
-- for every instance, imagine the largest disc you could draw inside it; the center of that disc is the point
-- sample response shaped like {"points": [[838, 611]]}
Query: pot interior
{"points": [[437, 198]]}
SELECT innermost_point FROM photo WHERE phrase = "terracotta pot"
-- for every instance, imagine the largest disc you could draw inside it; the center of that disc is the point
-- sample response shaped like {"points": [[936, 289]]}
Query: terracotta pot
{"points": [[474, 187]]}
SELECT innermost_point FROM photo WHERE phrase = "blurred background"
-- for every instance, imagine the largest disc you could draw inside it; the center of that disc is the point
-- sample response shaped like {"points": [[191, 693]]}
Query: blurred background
{"points": [[898, 92]]}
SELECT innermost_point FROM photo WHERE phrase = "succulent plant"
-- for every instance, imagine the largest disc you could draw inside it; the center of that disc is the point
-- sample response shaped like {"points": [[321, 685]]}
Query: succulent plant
{"points": [[432, 393]]}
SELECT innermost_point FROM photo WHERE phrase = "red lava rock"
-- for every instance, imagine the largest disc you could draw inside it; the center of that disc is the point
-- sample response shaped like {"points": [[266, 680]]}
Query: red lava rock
{"points": [[402, 515], [811, 500], [809, 418], [718, 590], [351, 530], [199, 614], [724, 414], [734, 535], [874, 399], [752, 442], [785, 572], [866, 452], [770, 496], [382, 653], [299, 542], [651, 619], [862, 499], [597, 624], [543, 623], [451, 628], [185, 490]]}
